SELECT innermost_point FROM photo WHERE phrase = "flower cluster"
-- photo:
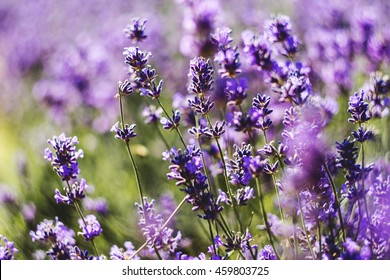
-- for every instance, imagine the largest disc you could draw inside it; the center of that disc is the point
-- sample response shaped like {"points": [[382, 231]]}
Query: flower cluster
{"points": [[7, 249], [158, 236], [64, 161], [187, 170]]}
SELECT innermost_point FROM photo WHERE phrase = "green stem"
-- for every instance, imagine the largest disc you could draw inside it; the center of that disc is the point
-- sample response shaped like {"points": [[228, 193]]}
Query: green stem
{"points": [[225, 175], [202, 156], [267, 226], [131, 158], [135, 168], [304, 227], [319, 240], [157, 253], [162, 137], [336, 199], [273, 175], [363, 188], [212, 236]]}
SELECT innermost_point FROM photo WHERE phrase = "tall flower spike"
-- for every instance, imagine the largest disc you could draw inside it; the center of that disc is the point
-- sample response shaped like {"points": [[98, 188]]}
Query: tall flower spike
{"points": [[236, 90], [58, 236], [124, 134], [91, 228], [358, 108], [64, 161], [136, 58], [278, 29], [136, 31], [7, 249], [258, 51], [200, 76], [227, 56], [117, 253], [174, 122], [73, 193], [151, 225]]}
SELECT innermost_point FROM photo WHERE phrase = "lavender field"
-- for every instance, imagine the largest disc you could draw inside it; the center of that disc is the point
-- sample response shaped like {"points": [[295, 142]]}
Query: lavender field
{"points": [[186, 130]]}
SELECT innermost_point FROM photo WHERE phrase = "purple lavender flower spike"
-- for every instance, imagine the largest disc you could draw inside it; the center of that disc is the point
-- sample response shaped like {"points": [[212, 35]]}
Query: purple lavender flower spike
{"points": [[297, 88], [362, 134], [278, 29], [75, 192], [168, 124], [124, 134], [98, 205], [222, 197], [159, 238], [238, 169], [7, 249], [358, 108], [243, 195], [201, 106], [125, 88], [91, 228], [200, 76], [57, 235], [227, 56], [117, 253], [258, 51], [267, 253], [151, 114], [64, 161], [235, 90], [222, 37], [136, 58], [78, 254], [136, 31]]}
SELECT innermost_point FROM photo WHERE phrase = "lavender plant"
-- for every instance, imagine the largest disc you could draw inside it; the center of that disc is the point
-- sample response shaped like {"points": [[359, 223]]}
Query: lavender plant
{"points": [[269, 144]]}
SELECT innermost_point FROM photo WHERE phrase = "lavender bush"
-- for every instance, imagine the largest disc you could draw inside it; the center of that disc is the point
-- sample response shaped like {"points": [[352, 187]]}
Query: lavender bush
{"points": [[260, 134]]}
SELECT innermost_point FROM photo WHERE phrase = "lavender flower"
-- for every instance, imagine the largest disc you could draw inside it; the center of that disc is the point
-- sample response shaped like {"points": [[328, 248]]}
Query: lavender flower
{"points": [[297, 88], [117, 253], [258, 51], [244, 121], [186, 169], [151, 114], [75, 192], [278, 29], [135, 58], [244, 195], [362, 134], [64, 161], [78, 254], [237, 168], [158, 237], [7, 249], [201, 105], [267, 253], [90, 227], [58, 236], [98, 205], [125, 133], [136, 31], [235, 90], [227, 56], [200, 76], [171, 123], [237, 241], [358, 108], [125, 88]]}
